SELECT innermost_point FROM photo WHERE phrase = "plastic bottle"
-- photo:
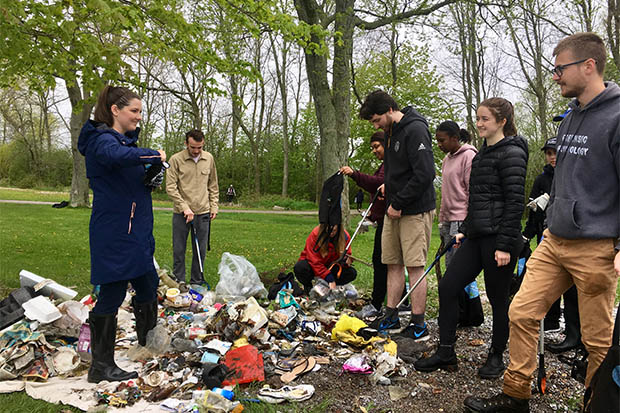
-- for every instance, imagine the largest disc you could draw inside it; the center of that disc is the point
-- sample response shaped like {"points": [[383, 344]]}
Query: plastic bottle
{"points": [[223, 392]]}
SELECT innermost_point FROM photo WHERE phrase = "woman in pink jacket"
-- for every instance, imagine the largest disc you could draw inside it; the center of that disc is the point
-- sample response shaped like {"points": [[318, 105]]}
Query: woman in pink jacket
{"points": [[455, 170]]}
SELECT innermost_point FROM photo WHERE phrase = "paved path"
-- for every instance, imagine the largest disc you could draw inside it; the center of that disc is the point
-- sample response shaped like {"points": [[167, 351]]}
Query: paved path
{"points": [[222, 210]]}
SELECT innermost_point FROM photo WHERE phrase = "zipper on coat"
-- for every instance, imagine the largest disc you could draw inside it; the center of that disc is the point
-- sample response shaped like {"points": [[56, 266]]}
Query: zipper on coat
{"points": [[133, 210]]}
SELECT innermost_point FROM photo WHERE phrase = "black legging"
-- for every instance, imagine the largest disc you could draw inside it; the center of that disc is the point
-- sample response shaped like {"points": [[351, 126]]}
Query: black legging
{"points": [[379, 286], [473, 256], [305, 274]]}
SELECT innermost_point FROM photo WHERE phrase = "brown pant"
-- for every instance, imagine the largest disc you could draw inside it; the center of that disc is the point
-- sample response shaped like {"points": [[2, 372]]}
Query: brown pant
{"points": [[557, 264]]}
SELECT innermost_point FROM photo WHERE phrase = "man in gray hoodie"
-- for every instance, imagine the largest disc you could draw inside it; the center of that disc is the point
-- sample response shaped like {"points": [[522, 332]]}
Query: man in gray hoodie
{"points": [[580, 246]]}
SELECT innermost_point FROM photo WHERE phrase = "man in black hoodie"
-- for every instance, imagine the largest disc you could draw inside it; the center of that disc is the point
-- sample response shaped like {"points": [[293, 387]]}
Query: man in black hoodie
{"points": [[580, 246], [410, 200]]}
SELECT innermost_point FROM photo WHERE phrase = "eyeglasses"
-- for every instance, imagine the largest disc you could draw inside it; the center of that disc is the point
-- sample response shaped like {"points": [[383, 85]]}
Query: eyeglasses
{"points": [[559, 69]]}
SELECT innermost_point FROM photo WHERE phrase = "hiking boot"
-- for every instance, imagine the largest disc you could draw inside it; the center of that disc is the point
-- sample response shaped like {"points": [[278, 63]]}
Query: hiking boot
{"points": [[500, 403], [416, 332], [368, 311], [444, 358], [102, 343], [494, 366], [389, 321]]}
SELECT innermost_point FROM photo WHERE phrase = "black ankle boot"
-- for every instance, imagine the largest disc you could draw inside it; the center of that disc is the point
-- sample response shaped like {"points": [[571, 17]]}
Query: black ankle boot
{"points": [[102, 342], [494, 366], [572, 340], [146, 318], [496, 404], [444, 358]]}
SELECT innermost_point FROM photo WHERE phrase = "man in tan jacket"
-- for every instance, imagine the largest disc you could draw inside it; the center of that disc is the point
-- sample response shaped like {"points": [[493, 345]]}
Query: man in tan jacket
{"points": [[191, 182]]}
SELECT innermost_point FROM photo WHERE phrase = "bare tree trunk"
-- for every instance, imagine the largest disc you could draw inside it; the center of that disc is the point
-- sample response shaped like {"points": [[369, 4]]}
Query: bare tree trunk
{"points": [[613, 30], [79, 115]]}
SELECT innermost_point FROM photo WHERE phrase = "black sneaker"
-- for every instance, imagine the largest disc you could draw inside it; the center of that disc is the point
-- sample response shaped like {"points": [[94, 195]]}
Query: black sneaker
{"points": [[388, 322], [416, 332], [500, 403]]}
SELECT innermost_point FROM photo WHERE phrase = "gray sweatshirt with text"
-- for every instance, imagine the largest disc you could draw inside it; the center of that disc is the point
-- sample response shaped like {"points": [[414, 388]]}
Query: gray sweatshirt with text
{"points": [[585, 200]]}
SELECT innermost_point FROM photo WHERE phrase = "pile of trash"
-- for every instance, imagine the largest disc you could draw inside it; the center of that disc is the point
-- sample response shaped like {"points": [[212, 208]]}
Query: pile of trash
{"points": [[206, 342]]}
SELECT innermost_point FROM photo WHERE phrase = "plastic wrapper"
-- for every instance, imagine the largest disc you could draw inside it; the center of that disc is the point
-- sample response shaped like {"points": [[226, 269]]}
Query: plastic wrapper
{"points": [[238, 277]]}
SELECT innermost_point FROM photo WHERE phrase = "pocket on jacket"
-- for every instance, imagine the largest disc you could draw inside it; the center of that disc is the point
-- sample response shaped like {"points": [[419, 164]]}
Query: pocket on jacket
{"points": [[564, 211]]}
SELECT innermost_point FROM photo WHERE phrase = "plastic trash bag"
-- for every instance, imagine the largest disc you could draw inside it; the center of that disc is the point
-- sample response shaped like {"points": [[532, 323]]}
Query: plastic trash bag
{"points": [[238, 277]]}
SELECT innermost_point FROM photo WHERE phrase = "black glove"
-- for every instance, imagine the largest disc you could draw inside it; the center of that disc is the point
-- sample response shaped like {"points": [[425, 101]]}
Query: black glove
{"points": [[154, 176]]}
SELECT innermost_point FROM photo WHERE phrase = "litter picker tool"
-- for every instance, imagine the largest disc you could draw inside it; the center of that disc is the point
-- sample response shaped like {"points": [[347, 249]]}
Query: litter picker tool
{"points": [[439, 254], [202, 273], [541, 380], [361, 261], [364, 215]]}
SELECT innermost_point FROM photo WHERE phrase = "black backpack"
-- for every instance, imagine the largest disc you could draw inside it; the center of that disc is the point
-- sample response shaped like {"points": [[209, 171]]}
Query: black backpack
{"points": [[285, 281], [330, 210], [603, 394]]}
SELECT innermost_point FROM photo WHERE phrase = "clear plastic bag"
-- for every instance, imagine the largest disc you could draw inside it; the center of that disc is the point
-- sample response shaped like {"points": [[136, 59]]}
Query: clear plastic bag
{"points": [[238, 277]]}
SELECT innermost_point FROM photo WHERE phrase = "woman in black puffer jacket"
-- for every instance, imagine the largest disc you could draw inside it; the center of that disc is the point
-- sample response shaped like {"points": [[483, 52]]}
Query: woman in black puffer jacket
{"points": [[493, 235]]}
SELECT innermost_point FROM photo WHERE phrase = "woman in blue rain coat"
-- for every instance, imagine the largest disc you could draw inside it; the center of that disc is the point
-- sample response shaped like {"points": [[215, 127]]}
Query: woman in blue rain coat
{"points": [[121, 224]]}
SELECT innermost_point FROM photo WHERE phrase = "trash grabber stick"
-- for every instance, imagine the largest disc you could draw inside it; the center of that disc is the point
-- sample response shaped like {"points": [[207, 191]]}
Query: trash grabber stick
{"points": [[202, 272], [437, 257], [541, 380], [359, 225], [357, 259]]}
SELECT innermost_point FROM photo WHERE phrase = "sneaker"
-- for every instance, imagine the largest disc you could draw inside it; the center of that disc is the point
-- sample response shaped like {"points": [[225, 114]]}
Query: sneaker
{"points": [[388, 322], [498, 403], [416, 332], [367, 311]]}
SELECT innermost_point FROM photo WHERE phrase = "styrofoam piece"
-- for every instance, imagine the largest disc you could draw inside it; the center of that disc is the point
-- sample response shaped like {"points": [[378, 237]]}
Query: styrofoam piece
{"points": [[41, 309], [48, 287]]}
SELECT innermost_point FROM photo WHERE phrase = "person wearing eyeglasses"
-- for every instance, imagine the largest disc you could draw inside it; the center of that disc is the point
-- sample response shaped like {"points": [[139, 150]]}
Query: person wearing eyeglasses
{"points": [[580, 245]]}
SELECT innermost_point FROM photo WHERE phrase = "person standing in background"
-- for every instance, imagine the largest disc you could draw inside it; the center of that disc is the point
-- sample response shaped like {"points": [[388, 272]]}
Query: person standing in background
{"points": [[192, 185]]}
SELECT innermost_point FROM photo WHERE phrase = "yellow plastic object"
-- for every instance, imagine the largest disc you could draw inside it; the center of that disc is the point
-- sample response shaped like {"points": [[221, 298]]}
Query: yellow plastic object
{"points": [[347, 324]]}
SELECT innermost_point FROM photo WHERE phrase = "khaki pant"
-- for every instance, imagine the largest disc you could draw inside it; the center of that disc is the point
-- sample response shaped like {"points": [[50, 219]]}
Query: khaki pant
{"points": [[405, 240], [557, 264]]}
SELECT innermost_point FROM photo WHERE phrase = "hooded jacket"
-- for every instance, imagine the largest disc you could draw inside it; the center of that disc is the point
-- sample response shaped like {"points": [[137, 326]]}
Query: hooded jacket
{"points": [[455, 171], [409, 165], [371, 183], [121, 222], [320, 264], [497, 193], [536, 220], [584, 200]]}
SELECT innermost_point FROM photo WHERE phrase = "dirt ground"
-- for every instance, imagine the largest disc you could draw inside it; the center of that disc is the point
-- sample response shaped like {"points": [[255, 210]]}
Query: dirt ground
{"points": [[439, 391]]}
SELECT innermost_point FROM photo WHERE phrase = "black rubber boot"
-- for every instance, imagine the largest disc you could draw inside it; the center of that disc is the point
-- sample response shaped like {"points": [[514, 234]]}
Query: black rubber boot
{"points": [[494, 366], [102, 342], [496, 404], [572, 337], [146, 318], [444, 358]]}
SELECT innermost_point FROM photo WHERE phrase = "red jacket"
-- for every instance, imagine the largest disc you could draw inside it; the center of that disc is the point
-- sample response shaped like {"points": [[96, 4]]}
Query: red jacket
{"points": [[319, 263]]}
